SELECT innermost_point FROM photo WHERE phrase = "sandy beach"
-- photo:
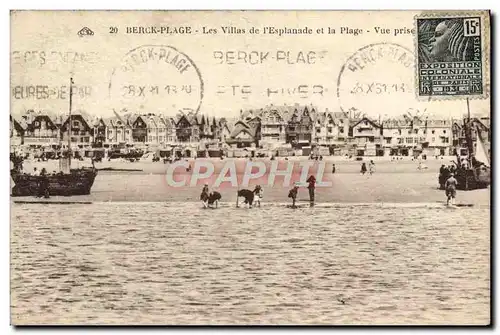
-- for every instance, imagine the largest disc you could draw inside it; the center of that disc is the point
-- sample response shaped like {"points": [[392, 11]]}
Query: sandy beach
{"points": [[392, 182]]}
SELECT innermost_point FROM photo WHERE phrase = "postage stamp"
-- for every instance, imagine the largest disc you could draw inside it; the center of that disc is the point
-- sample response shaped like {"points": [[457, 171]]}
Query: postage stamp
{"points": [[453, 55]]}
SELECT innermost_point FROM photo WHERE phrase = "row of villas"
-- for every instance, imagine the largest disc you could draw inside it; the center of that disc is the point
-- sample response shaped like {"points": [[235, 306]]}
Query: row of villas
{"points": [[290, 128], [148, 129]]}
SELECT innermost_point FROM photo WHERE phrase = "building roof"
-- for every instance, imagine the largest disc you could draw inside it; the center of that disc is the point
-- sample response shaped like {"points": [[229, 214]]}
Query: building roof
{"points": [[439, 123], [371, 122], [241, 126]]}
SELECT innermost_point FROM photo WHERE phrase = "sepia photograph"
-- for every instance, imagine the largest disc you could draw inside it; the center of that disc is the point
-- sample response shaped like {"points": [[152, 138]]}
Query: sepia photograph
{"points": [[241, 168]]}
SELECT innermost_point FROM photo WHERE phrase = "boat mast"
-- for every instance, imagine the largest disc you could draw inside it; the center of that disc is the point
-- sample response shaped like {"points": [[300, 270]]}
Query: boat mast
{"points": [[69, 121], [468, 135]]}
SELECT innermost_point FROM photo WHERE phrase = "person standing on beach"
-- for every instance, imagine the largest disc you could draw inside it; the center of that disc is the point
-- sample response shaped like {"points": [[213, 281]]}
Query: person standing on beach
{"points": [[293, 194], [204, 196], [43, 186], [371, 167], [363, 168], [451, 189], [258, 192], [312, 185]]}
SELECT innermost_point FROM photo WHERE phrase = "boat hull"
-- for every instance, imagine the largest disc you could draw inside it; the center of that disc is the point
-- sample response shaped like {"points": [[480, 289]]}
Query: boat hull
{"points": [[470, 179], [77, 182]]}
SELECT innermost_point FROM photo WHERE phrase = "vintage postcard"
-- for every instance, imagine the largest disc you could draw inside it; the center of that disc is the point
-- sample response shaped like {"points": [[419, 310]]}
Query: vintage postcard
{"points": [[250, 168]]}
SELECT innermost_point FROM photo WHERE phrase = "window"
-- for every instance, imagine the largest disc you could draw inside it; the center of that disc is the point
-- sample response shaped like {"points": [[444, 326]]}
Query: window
{"points": [[329, 129], [73, 139], [446, 140], [409, 140], [433, 132], [425, 131], [341, 130], [388, 140], [415, 131], [76, 124], [444, 131]]}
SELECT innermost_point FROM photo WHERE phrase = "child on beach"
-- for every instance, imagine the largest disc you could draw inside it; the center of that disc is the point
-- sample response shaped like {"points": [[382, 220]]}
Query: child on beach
{"points": [[372, 167], [258, 192], [293, 194], [204, 196]]}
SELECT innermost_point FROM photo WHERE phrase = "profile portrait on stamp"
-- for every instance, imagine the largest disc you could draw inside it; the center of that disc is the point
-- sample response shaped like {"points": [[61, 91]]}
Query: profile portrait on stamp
{"points": [[446, 41]]}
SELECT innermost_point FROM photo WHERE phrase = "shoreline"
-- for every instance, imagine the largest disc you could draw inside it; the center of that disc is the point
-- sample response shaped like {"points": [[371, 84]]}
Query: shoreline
{"points": [[301, 203], [392, 182]]}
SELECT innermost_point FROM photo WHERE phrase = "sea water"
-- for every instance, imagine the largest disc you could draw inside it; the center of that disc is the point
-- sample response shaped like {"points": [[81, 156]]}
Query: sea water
{"points": [[175, 263]]}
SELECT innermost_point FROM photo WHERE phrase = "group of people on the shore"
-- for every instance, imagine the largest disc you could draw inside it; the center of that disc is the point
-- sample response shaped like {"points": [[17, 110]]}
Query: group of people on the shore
{"points": [[311, 186], [254, 197], [371, 167]]}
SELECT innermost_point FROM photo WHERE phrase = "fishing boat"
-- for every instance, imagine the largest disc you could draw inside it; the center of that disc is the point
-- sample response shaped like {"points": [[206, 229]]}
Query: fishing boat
{"points": [[66, 182], [473, 170]]}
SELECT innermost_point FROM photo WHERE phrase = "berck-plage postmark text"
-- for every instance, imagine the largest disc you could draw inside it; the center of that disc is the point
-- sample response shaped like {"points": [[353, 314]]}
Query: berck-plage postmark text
{"points": [[152, 73]]}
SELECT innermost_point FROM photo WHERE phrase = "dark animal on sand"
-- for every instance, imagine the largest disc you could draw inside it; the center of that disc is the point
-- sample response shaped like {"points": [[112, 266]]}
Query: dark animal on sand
{"points": [[248, 195], [213, 197]]}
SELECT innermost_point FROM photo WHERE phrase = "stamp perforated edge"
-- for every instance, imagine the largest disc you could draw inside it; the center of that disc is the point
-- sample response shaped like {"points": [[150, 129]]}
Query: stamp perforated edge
{"points": [[484, 15]]}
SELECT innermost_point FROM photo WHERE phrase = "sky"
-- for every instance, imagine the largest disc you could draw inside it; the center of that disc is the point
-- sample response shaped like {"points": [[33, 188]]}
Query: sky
{"points": [[201, 68]]}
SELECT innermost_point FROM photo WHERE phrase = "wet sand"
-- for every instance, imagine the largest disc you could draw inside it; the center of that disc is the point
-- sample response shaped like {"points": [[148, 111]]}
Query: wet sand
{"points": [[392, 182]]}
